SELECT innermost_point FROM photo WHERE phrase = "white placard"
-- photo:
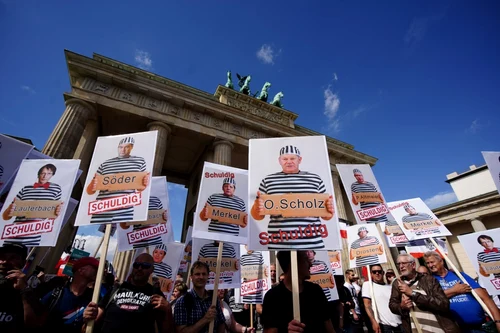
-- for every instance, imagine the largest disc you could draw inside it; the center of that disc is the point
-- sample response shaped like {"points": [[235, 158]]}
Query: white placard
{"points": [[12, 152], [188, 250], [255, 275], [492, 159], [365, 246], [321, 273]]}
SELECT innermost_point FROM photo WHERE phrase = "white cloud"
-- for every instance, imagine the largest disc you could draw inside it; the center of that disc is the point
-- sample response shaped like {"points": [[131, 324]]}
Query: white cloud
{"points": [[266, 54], [91, 243], [143, 59], [441, 199], [28, 89], [474, 127], [332, 104], [335, 77]]}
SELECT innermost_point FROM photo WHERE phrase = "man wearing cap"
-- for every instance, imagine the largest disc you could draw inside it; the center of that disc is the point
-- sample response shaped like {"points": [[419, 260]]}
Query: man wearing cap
{"points": [[161, 269], [211, 250], [228, 200], [362, 186], [292, 180], [414, 216], [124, 162], [42, 189], [365, 241]]}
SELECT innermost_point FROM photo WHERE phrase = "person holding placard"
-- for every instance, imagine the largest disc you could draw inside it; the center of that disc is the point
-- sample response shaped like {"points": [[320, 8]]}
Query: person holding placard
{"points": [[366, 195], [490, 255], [295, 231], [465, 309], [365, 241], [225, 200], [42, 189], [123, 163]]}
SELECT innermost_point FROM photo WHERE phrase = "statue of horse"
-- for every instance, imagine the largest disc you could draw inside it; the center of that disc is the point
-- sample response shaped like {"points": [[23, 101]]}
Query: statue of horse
{"points": [[263, 93], [229, 83], [241, 80], [277, 100], [245, 89]]}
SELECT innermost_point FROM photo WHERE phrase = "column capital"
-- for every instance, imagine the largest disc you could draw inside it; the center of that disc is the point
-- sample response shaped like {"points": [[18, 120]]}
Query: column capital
{"points": [[87, 105], [223, 142], [160, 124]]}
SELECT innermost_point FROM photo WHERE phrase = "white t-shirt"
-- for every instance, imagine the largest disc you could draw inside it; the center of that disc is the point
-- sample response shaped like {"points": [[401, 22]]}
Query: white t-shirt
{"points": [[382, 294], [354, 294]]}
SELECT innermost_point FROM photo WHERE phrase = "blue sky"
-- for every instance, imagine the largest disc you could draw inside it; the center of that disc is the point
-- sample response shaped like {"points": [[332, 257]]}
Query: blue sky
{"points": [[413, 83]]}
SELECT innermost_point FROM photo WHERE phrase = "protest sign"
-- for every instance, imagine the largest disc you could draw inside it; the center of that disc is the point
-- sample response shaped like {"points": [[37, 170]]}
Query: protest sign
{"points": [[321, 272], [335, 258], [118, 183], [485, 257], [188, 249], [37, 202], [291, 195], [157, 229], [417, 220], [417, 248], [207, 250], [492, 159], [365, 246], [74, 256], [221, 209], [12, 152], [255, 275]]}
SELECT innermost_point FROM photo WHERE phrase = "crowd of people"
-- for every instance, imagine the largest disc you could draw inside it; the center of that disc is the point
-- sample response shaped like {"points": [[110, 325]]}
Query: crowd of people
{"points": [[431, 293]]}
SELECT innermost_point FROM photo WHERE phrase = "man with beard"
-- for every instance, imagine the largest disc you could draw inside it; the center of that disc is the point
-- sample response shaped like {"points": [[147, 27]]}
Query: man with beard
{"points": [[134, 306]]}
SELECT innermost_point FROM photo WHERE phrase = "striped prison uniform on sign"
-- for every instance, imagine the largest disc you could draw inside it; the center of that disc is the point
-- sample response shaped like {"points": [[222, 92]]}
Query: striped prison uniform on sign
{"points": [[359, 243], [154, 204], [490, 257], [322, 269], [301, 182], [417, 217], [368, 187], [292, 150], [253, 259], [223, 201], [111, 166], [211, 250], [29, 192], [163, 270], [427, 320]]}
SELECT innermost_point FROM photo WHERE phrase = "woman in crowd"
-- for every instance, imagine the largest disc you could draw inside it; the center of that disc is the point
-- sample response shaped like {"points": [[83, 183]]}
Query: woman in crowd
{"points": [[180, 289], [231, 325]]}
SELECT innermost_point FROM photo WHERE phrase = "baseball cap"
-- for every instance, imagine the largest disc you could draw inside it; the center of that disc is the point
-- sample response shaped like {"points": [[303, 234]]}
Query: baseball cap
{"points": [[229, 180], [15, 248], [85, 261], [362, 229]]}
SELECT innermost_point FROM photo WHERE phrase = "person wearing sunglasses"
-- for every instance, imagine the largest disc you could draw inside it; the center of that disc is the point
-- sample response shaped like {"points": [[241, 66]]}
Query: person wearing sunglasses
{"points": [[390, 276], [388, 322], [133, 306]]}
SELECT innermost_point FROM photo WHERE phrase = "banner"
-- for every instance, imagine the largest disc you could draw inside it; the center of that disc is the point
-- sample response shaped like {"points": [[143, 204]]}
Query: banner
{"points": [[38, 199], [291, 195], [221, 209], [157, 229], [485, 256], [206, 251], [417, 220], [321, 273], [255, 275], [417, 248], [12, 152], [188, 249], [75, 255], [492, 159], [365, 246], [118, 182]]}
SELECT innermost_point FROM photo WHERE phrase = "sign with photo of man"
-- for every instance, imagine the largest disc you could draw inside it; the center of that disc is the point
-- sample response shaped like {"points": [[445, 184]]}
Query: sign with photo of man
{"points": [[206, 250], [291, 195], [35, 207], [255, 275], [157, 229], [365, 246], [221, 209], [118, 182], [12, 152], [321, 273], [483, 250]]}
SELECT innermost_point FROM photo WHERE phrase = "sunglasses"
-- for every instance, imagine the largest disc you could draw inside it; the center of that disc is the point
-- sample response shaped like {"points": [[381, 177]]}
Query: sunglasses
{"points": [[143, 265], [378, 272]]}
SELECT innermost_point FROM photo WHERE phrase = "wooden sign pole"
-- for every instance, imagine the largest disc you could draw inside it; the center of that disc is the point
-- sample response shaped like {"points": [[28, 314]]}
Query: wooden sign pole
{"points": [[100, 271], [461, 277], [188, 281], [216, 283], [374, 306], [251, 315], [295, 285]]}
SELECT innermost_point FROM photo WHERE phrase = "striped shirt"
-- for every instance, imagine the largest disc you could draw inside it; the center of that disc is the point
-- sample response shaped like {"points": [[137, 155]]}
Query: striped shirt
{"points": [[322, 269], [417, 217], [163, 270], [211, 250], [359, 243], [427, 320], [252, 259], [111, 166], [484, 257], [154, 204], [223, 201], [301, 182], [54, 192], [368, 187]]}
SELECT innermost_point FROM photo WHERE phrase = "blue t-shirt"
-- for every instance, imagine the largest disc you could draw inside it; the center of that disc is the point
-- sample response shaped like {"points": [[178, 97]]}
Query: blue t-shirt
{"points": [[464, 307]]}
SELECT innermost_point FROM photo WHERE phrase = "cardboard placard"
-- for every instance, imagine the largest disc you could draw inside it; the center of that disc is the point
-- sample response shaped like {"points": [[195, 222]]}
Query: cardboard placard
{"points": [[226, 265], [491, 267], [393, 229], [121, 181], [251, 272], [165, 284], [155, 216], [368, 197], [334, 256], [372, 250], [36, 208], [324, 280], [296, 204], [422, 224], [226, 215]]}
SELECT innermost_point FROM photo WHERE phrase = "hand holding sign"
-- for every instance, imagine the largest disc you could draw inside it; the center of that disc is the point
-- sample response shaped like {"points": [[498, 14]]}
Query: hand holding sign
{"points": [[406, 303], [164, 215], [92, 188], [210, 315], [295, 327], [59, 208], [259, 204], [145, 180], [329, 207], [159, 302], [404, 288]]}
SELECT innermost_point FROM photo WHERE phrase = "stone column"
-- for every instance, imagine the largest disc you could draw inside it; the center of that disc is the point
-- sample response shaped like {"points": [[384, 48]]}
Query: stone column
{"points": [[86, 146], [222, 152], [337, 187], [65, 137], [477, 225], [161, 144]]}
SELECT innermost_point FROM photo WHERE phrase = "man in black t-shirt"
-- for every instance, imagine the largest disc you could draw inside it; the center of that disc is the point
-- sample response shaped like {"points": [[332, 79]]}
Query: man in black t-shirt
{"points": [[134, 306], [277, 315]]}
